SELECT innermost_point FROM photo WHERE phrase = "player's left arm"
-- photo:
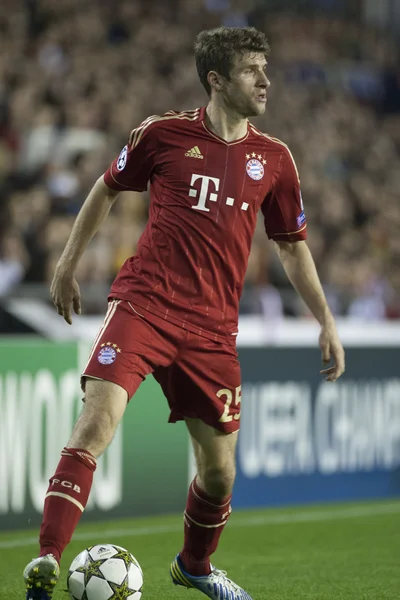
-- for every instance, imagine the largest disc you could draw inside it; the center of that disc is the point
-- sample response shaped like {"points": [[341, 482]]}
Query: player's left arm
{"points": [[300, 268], [285, 224]]}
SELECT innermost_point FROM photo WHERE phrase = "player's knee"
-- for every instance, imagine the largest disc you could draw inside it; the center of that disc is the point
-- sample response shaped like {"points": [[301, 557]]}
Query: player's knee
{"points": [[218, 481]]}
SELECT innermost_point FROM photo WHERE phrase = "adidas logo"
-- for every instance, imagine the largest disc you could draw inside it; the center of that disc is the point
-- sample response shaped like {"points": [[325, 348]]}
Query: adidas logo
{"points": [[194, 153]]}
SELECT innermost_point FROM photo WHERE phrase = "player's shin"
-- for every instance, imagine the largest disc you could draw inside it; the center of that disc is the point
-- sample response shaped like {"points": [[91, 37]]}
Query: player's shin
{"points": [[66, 499], [205, 518]]}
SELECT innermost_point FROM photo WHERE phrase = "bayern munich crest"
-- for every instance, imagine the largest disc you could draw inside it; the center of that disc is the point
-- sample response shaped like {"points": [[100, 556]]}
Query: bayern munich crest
{"points": [[108, 353], [255, 169]]}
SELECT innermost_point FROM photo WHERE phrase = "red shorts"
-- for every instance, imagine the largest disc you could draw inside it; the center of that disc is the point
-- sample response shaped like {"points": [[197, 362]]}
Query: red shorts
{"points": [[199, 377]]}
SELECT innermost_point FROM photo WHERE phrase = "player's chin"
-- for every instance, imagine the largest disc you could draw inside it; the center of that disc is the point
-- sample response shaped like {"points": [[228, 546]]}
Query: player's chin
{"points": [[257, 109], [258, 105]]}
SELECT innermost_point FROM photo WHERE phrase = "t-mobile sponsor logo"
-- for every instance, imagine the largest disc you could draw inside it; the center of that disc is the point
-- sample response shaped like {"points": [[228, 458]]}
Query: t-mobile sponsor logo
{"points": [[67, 484], [205, 194]]}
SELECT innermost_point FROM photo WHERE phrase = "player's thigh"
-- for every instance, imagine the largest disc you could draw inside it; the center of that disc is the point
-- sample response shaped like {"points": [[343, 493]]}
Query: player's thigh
{"points": [[213, 392], [127, 348], [204, 383]]}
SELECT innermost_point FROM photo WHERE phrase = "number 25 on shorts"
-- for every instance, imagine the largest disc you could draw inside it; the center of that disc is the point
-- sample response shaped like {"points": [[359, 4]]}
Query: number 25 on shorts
{"points": [[226, 417]]}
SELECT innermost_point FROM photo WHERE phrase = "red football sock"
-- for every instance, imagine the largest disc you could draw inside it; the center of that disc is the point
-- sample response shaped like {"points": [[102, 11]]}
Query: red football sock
{"points": [[205, 518], [66, 499]]}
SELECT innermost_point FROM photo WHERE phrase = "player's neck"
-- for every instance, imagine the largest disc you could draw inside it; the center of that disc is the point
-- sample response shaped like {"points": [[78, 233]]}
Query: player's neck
{"points": [[226, 124]]}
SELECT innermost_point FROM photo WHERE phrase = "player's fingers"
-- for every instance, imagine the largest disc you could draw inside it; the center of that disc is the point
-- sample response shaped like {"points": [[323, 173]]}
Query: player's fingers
{"points": [[325, 353], [339, 362], [66, 313], [337, 372], [331, 377], [339, 369], [59, 308], [77, 304], [330, 374], [68, 318], [328, 371]]}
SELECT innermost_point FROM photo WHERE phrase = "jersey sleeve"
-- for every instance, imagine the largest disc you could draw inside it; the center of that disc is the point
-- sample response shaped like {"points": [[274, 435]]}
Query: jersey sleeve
{"points": [[283, 210], [134, 166]]}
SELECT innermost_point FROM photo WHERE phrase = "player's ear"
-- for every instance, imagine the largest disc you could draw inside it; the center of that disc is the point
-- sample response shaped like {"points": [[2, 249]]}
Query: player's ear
{"points": [[215, 81]]}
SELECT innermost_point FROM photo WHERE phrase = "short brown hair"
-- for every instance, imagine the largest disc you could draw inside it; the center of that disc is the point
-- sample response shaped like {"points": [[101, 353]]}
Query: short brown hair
{"points": [[215, 49]]}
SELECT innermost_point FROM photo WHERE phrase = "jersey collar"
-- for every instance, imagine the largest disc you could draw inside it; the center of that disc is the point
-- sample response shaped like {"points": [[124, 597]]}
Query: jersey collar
{"points": [[217, 137]]}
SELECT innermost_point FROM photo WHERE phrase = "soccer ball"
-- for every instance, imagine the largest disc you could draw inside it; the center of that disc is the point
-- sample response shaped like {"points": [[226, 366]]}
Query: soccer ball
{"points": [[105, 572]]}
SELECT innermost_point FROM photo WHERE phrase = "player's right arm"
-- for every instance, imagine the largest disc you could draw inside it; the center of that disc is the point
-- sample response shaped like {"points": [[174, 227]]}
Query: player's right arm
{"points": [[130, 171], [64, 289]]}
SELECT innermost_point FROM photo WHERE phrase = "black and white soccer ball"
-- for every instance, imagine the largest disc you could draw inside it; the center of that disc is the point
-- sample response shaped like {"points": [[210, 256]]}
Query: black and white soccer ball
{"points": [[105, 572]]}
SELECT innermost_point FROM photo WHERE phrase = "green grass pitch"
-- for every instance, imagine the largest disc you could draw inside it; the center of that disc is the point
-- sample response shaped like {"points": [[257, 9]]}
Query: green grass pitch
{"points": [[335, 552]]}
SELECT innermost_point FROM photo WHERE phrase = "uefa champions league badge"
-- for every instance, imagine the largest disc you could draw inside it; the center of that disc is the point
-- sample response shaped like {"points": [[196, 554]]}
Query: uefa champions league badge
{"points": [[108, 353], [121, 162], [255, 169]]}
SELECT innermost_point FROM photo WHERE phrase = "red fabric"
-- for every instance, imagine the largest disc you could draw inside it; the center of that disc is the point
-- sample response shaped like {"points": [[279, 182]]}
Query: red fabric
{"points": [[205, 194], [197, 375], [201, 540], [279, 214], [73, 479]]}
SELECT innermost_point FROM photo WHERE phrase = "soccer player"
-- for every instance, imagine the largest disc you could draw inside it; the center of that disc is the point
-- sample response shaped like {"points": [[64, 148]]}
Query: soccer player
{"points": [[173, 307]]}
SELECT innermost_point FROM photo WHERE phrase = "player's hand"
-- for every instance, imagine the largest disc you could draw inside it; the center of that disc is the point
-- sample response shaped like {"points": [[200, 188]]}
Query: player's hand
{"points": [[331, 349], [65, 293]]}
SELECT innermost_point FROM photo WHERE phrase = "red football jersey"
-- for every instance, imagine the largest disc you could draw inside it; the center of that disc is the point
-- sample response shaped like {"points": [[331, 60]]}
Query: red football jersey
{"points": [[205, 194]]}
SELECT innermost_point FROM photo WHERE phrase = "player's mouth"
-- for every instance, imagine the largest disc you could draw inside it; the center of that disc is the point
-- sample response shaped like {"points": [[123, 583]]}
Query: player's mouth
{"points": [[261, 98]]}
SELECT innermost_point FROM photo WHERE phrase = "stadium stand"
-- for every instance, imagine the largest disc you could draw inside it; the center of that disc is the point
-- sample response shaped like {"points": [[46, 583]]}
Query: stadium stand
{"points": [[76, 77]]}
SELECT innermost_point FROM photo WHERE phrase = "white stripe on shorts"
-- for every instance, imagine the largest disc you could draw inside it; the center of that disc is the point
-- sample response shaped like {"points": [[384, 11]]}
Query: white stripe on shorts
{"points": [[112, 307]]}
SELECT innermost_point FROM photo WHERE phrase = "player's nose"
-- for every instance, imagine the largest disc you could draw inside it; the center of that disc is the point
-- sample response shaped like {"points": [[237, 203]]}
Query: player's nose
{"points": [[263, 80]]}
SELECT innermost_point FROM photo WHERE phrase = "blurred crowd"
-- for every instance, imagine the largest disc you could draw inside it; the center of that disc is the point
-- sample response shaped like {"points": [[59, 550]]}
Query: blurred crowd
{"points": [[76, 77]]}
